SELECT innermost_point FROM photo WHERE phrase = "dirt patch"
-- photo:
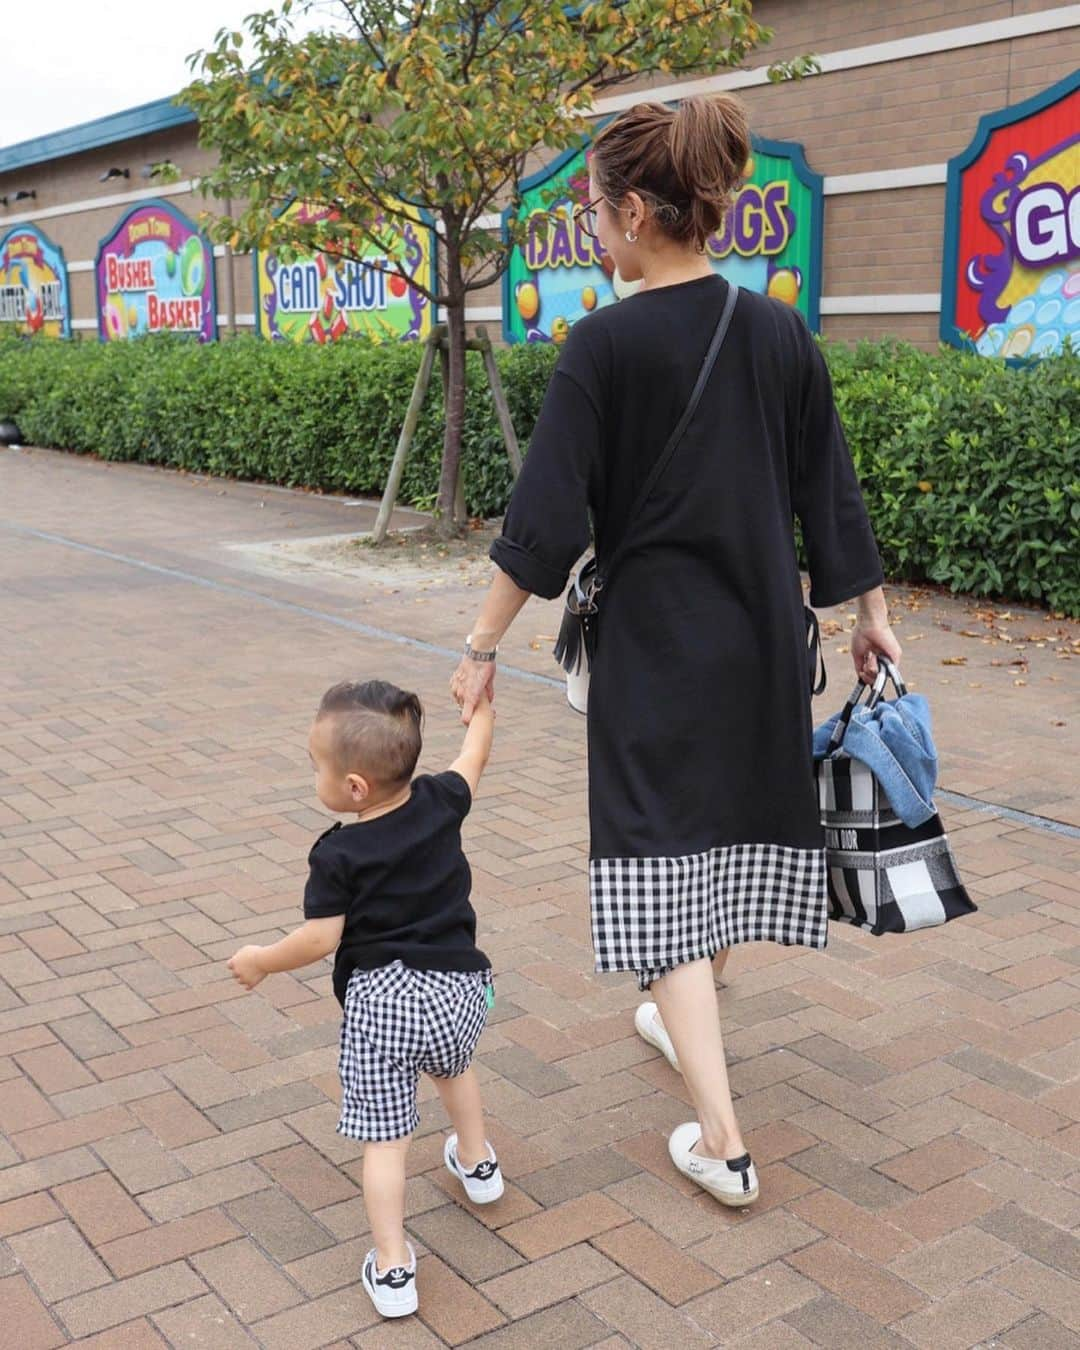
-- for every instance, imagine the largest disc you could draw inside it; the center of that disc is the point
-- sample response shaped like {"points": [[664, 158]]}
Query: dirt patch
{"points": [[416, 557], [422, 549]]}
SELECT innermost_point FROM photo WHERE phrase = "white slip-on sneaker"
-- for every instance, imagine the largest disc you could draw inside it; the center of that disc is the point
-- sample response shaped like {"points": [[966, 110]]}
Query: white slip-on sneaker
{"points": [[733, 1181], [484, 1183], [394, 1291], [650, 1028]]}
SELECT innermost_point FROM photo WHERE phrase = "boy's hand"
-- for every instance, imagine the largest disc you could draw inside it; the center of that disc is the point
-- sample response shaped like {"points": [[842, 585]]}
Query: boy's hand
{"points": [[246, 967]]}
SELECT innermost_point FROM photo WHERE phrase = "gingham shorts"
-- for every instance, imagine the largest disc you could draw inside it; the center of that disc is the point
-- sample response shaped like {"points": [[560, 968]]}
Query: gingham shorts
{"points": [[399, 1023]]}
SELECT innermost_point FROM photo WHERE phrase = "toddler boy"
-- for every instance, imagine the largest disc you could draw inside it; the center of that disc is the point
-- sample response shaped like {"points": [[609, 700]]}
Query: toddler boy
{"points": [[390, 893]]}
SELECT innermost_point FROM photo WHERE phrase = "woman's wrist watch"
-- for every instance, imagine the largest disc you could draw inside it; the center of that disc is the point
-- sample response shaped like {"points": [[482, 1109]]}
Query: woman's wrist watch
{"points": [[474, 655]]}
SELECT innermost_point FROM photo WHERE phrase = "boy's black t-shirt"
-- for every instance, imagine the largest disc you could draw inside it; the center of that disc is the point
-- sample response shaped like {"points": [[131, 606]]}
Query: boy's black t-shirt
{"points": [[403, 882]]}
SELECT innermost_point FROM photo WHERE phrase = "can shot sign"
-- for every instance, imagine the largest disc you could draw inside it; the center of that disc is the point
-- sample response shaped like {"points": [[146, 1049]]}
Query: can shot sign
{"points": [[33, 284], [770, 242], [155, 274], [321, 298], [1011, 284]]}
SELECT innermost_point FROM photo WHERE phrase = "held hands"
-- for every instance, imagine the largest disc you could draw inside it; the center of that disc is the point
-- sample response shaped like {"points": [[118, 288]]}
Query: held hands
{"points": [[472, 681], [867, 640], [246, 967]]}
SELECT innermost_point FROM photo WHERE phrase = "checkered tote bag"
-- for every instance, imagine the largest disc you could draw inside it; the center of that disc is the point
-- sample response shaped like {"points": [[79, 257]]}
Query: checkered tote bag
{"points": [[883, 875]]}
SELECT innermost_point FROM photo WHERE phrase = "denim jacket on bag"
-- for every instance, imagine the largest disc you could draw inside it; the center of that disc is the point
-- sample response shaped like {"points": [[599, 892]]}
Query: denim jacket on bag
{"points": [[894, 741]]}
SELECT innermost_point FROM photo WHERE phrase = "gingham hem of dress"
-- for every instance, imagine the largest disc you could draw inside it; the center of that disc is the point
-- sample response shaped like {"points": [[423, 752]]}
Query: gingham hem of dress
{"points": [[650, 914]]}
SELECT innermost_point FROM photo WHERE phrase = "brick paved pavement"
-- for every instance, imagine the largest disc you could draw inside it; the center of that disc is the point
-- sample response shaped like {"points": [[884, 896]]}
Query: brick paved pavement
{"points": [[169, 1171]]}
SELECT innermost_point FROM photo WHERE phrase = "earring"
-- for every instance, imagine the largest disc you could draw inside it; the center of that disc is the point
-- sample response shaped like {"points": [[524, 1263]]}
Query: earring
{"points": [[631, 238]]}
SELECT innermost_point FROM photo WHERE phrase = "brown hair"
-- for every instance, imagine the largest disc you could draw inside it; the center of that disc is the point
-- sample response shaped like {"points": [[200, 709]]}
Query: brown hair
{"points": [[376, 729], [682, 161]]}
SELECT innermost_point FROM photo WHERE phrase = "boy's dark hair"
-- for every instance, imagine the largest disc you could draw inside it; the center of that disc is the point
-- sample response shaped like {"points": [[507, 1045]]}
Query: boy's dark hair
{"points": [[377, 729]]}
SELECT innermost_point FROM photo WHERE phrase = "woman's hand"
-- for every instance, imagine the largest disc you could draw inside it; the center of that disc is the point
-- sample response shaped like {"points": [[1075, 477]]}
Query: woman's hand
{"points": [[867, 639], [469, 682]]}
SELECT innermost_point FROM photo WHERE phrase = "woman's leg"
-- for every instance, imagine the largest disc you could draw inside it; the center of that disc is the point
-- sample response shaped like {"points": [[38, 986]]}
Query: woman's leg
{"points": [[686, 999], [719, 961], [384, 1199], [461, 1097]]}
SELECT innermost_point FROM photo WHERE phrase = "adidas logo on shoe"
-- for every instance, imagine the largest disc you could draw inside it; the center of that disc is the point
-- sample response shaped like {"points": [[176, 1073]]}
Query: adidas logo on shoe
{"points": [[483, 1183], [394, 1292]]}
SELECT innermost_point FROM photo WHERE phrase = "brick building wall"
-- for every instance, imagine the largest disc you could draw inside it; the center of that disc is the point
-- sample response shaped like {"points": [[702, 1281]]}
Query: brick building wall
{"points": [[904, 85]]}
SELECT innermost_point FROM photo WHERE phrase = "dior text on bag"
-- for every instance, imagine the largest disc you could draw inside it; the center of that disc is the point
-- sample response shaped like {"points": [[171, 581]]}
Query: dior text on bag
{"points": [[883, 875], [576, 644]]}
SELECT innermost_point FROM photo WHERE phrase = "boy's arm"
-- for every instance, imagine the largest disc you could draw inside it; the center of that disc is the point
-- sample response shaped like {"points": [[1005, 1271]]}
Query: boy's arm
{"points": [[477, 744], [310, 943]]}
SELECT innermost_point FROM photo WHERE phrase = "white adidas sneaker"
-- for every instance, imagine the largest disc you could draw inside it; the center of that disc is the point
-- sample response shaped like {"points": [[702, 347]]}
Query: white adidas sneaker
{"points": [[394, 1291], [484, 1182], [651, 1029], [732, 1181]]}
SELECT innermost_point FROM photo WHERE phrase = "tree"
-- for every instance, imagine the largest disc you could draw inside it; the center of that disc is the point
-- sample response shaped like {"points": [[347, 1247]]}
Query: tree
{"points": [[434, 106]]}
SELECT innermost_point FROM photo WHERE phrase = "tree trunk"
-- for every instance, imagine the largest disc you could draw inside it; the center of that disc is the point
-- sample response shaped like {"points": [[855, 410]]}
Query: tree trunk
{"points": [[455, 390]]}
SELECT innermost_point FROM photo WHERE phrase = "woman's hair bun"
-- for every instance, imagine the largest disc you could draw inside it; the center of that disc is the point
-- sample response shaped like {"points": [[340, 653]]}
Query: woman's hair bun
{"points": [[685, 162], [710, 144]]}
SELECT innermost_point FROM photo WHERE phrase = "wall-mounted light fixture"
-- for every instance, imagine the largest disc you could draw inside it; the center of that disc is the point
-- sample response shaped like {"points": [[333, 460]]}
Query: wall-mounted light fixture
{"points": [[25, 195], [110, 174]]}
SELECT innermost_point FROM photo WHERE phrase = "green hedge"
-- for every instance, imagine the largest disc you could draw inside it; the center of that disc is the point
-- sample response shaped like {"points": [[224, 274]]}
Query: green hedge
{"points": [[970, 467], [325, 417]]}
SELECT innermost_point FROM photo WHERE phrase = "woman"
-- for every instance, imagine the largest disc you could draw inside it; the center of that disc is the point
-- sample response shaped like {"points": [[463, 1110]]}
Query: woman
{"points": [[702, 806]]}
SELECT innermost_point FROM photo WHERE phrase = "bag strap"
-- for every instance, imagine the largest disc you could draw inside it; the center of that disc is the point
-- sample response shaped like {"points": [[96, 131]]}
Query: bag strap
{"points": [[886, 672], [818, 677], [676, 436]]}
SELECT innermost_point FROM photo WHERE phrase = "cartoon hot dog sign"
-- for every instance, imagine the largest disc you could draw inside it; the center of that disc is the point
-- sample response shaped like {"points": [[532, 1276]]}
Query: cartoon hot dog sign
{"points": [[1012, 252], [155, 274], [33, 284], [770, 242]]}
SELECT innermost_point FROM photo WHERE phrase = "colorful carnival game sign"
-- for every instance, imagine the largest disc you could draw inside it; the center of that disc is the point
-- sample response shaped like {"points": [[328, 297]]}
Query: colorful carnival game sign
{"points": [[1011, 284], [319, 298], [155, 274], [770, 242], [33, 284]]}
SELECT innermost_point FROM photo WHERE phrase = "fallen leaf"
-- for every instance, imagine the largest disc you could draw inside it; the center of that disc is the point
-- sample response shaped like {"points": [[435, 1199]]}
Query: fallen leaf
{"points": [[1019, 682], [1057, 724], [954, 661]]}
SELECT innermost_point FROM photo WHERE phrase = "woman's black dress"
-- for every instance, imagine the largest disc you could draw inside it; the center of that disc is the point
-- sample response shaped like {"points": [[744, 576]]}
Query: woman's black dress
{"points": [[702, 805]]}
